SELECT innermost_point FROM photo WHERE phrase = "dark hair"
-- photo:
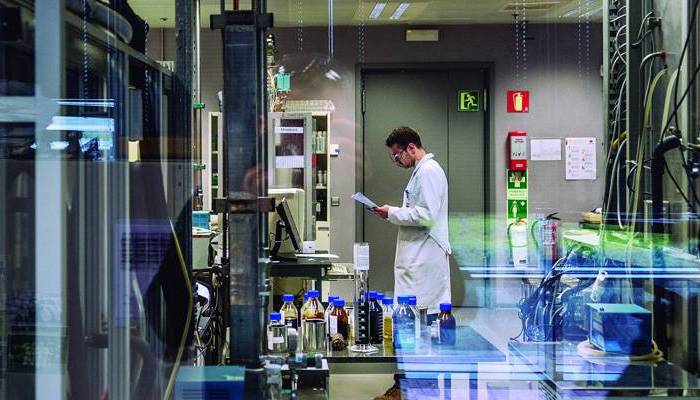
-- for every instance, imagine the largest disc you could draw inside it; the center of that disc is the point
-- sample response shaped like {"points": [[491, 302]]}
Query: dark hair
{"points": [[403, 136]]}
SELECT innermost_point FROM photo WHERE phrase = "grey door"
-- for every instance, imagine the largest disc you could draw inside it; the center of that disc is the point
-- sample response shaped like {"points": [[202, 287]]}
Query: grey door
{"points": [[426, 100]]}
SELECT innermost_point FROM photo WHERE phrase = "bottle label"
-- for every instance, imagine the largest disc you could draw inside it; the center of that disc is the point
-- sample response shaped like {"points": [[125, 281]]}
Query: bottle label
{"points": [[277, 340], [435, 331], [333, 325]]}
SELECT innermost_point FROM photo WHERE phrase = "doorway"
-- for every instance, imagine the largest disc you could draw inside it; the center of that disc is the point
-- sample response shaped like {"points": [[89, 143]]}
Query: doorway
{"points": [[432, 101]]}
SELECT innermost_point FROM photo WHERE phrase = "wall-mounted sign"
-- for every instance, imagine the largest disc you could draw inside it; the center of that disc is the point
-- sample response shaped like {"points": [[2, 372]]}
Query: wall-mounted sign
{"points": [[518, 101], [516, 195], [469, 100]]}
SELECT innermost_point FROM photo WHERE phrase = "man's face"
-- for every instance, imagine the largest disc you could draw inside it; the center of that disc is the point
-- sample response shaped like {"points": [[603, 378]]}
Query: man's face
{"points": [[402, 157]]}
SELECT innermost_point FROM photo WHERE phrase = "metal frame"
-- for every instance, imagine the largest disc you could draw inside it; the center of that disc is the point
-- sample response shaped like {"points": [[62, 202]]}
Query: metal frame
{"points": [[50, 228]]}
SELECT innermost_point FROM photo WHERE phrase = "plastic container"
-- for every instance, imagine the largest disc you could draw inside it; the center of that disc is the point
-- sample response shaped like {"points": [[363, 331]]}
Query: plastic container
{"points": [[404, 324], [444, 328], [375, 319], [388, 323], [289, 312], [277, 334]]}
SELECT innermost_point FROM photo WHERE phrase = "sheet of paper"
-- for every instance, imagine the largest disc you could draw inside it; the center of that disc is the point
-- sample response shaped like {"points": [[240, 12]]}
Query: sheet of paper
{"points": [[364, 200], [581, 158], [545, 149]]}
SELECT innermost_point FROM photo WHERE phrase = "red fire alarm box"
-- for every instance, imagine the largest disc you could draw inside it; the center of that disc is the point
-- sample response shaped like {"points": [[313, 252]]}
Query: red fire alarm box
{"points": [[517, 151], [518, 101]]}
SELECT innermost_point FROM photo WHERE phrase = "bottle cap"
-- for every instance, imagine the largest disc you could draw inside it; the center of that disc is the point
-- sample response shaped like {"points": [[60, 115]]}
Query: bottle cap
{"points": [[275, 316], [331, 299], [403, 299], [380, 296], [372, 294], [313, 293], [287, 297], [445, 306], [387, 301], [339, 302], [412, 300]]}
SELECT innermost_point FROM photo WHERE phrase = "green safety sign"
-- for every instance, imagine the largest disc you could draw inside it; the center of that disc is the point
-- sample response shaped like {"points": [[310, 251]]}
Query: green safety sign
{"points": [[469, 100], [517, 179], [516, 195], [517, 209]]}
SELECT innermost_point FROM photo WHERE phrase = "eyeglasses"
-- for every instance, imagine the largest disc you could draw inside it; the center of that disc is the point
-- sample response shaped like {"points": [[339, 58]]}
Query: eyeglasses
{"points": [[396, 157]]}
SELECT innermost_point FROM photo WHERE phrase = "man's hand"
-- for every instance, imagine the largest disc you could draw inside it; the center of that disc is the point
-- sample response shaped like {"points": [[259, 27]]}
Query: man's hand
{"points": [[382, 211]]}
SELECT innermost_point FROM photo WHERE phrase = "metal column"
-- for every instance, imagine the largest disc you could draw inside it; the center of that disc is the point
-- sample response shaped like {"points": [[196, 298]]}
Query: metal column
{"points": [[179, 147], [244, 88], [50, 240]]}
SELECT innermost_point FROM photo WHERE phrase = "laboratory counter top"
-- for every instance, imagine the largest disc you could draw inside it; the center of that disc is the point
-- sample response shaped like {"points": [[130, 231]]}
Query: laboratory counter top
{"points": [[560, 364], [470, 348]]}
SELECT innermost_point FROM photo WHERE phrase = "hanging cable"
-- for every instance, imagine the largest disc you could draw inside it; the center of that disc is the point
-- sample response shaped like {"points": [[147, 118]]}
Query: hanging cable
{"points": [[691, 29]]}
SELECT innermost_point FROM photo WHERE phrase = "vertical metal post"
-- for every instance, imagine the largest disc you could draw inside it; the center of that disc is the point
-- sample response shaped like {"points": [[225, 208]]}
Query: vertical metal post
{"points": [[180, 150], [241, 132], [50, 240], [119, 270]]}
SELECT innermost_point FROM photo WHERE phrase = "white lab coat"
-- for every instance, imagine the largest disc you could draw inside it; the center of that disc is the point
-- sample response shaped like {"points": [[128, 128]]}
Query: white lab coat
{"points": [[422, 267]]}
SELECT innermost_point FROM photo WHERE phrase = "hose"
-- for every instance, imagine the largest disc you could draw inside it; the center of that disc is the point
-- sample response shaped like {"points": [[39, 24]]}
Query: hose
{"points": [[188, 320], [585, 349]]}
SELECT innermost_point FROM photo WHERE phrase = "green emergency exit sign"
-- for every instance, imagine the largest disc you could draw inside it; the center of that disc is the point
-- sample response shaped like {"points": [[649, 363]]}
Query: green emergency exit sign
{"points": [[469, 101]]}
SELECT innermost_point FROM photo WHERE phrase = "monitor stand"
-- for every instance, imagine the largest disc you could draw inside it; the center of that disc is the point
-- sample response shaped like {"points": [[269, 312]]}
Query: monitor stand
{"points": [[280, 229]]}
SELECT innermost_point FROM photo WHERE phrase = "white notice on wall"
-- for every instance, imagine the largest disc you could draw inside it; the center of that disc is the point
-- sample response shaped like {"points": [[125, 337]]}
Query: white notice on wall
{"points": [[545, 149], [581, 158], [285, 162]]}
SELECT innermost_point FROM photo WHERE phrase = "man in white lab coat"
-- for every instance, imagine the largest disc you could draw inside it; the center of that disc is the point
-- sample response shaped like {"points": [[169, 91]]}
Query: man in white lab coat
{"points": [[421, 267]]}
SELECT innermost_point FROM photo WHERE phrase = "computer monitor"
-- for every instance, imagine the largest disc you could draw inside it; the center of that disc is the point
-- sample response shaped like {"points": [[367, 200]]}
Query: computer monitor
{"points": [[286, 224]]}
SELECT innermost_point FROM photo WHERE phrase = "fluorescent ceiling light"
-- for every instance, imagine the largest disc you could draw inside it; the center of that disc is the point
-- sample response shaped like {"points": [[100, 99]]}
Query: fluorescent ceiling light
{"points": [[593, 13], [579, 9], [377, 10], [399, 11]]}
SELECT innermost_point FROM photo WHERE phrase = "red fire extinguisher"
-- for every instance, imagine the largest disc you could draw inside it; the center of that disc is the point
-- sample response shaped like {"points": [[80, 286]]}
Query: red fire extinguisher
{"points": [[544, 232]]}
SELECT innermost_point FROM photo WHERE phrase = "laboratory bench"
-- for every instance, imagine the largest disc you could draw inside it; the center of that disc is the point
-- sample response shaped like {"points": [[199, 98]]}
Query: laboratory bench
{"points": [[563, 373], [427, 361], [290, 266]]}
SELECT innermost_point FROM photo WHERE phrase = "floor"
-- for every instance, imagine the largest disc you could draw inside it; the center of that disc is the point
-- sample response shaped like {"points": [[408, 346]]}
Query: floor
{"points": [[495, 325]]}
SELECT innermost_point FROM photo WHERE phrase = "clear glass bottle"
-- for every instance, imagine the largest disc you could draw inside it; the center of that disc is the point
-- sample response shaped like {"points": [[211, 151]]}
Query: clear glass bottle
{"points": [[413, 304], [375, 319], [313, 324], [388, 323], [404, 325], [289, 312], [328, 311], [276, 334]]}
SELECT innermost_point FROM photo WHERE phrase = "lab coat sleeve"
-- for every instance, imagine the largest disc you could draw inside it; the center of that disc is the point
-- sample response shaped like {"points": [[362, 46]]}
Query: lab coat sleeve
{"points": [[428, 202]]}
